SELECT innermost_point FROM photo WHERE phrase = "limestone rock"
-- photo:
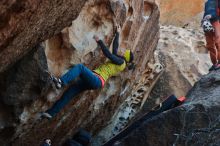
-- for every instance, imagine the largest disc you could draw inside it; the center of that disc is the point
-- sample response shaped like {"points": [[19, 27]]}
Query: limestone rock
{"points": [[183, 54], [67, 28], [92, 110], [23, 24], [132, 105], [25, 81], [22, 84]]}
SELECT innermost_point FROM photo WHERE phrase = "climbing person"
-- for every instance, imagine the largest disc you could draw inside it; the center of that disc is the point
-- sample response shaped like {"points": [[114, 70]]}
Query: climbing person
{"points": [[91, 80], [211, 27]]}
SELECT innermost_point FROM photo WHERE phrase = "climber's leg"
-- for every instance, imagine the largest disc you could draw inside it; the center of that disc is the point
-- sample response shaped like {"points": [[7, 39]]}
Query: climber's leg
{"points": [[69, 94]]}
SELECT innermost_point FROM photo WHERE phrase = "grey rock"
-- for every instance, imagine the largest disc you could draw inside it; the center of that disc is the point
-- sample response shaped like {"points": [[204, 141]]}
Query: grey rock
{"points": [[26, 81], [195, 123]]}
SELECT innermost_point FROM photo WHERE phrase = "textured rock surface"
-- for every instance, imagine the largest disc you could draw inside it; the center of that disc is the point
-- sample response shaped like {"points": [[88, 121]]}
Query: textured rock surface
{"points": [[140, 32], [23, 24], [26, 82], [183, 53], [195, 123], [179, 12], [132, 105], [28, 73], [24, 85]]}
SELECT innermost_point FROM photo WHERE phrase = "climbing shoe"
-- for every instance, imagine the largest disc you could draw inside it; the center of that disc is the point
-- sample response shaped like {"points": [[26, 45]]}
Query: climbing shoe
{"points": [[46, 115], [57, 82]]}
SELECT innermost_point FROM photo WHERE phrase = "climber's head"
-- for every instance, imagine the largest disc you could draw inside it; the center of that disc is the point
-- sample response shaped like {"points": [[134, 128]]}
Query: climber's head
{"points": [[129, 57]]}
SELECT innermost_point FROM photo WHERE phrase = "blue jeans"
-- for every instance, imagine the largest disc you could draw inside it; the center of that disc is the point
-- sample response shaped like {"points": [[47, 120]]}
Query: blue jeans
{"points": [[88, 80]]}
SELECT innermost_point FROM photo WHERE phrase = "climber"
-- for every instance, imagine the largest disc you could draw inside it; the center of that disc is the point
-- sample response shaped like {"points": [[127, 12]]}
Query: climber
{"points": [[90, 80], [212, 35]]}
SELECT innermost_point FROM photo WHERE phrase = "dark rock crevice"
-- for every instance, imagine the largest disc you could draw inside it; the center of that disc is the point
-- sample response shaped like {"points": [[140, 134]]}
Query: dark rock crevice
{"points": [[26, 80], [22, 84]]}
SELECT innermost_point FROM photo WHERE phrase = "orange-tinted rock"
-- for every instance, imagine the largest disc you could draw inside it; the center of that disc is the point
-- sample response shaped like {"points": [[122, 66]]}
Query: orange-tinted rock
{"points": [[179, 12]]}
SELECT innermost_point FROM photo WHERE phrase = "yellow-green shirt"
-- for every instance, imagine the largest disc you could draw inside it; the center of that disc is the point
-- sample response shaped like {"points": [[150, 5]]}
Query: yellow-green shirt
{"points": [[109, 69]]}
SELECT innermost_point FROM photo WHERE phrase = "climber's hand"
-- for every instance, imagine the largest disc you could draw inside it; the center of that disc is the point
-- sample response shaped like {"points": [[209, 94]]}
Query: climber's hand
{"points": [[96, 38], [118, 28]]}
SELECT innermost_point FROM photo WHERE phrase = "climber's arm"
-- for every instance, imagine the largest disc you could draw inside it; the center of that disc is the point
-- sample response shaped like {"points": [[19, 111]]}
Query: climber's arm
{"points": [[116, 44], [115, 59]]}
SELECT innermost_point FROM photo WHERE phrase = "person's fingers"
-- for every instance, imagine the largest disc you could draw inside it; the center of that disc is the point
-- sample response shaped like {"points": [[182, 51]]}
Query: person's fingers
{"points": [[118, 28], [96, 37]]}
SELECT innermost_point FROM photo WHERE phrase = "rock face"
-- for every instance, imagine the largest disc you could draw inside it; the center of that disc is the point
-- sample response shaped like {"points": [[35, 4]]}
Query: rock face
{"points": [[20, 86], [139, 20], [132, 105], [183, 54], [30, 74], [66, 29], [185, 59], [179, 12], [195, 123], [23, 24]]}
